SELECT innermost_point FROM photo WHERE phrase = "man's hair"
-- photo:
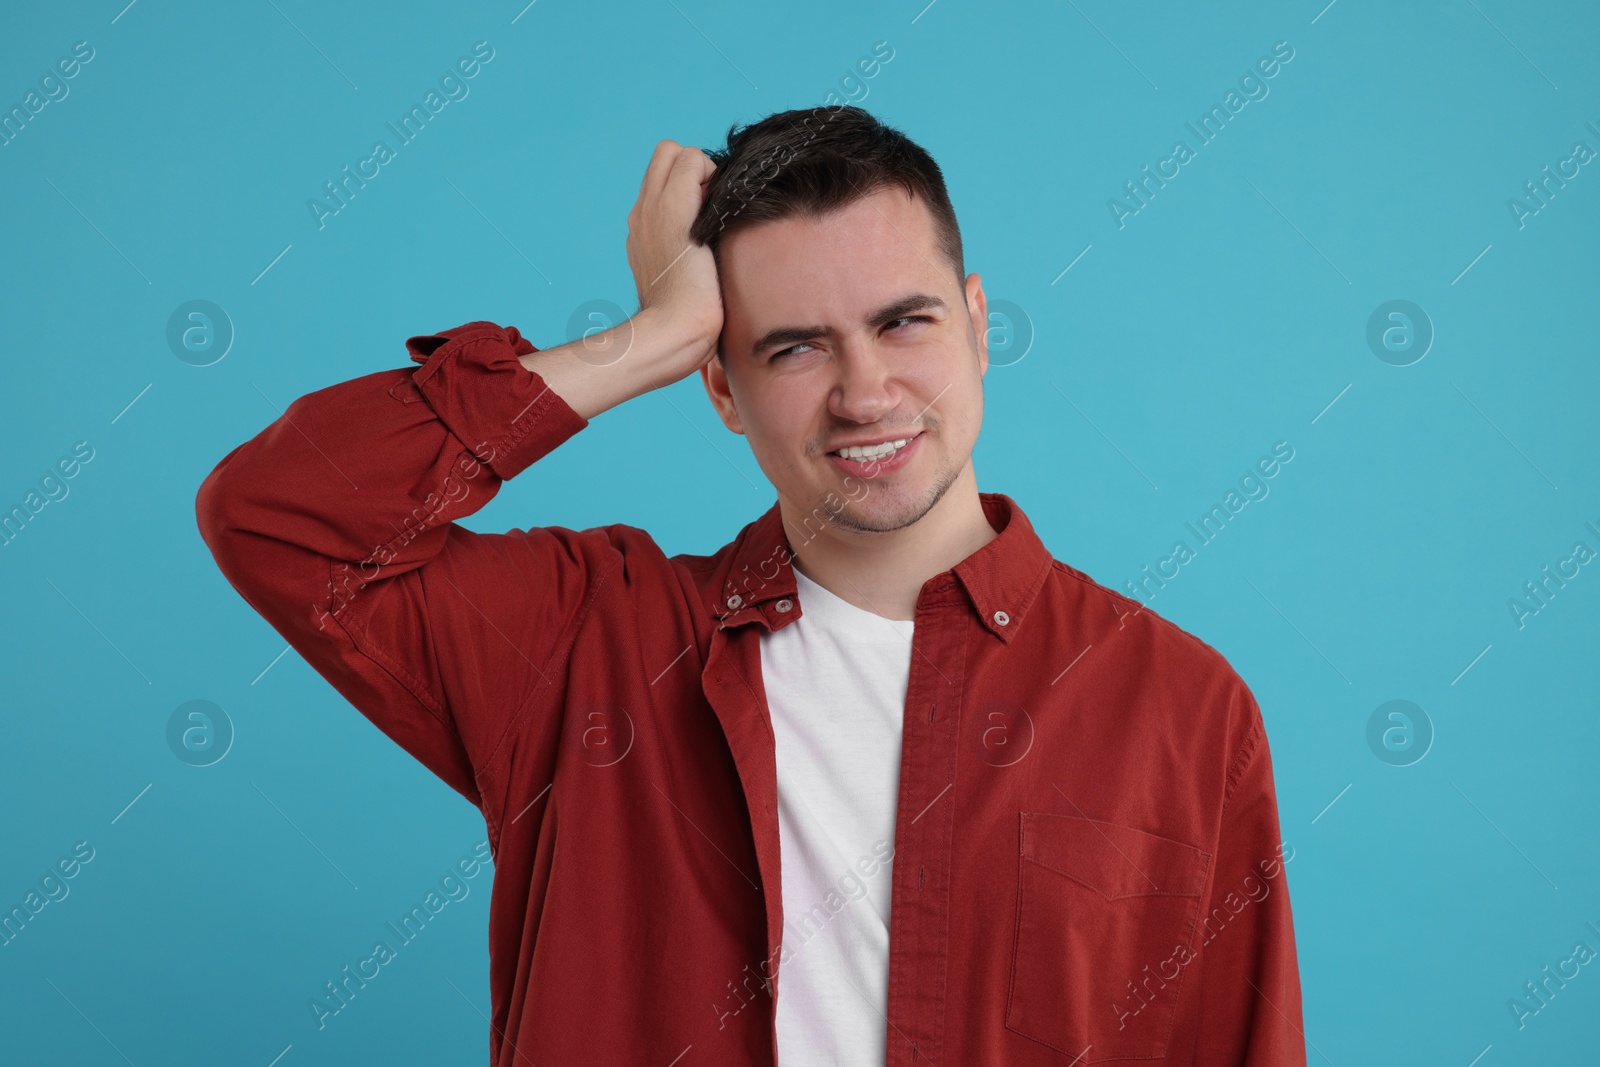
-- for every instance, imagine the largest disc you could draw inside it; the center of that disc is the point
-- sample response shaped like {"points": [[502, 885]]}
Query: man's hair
{"points": [[811, 161]]}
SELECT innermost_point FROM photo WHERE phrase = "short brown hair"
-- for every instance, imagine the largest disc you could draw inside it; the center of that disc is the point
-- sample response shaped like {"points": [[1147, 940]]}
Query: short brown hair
{"points": [[815, 160]]}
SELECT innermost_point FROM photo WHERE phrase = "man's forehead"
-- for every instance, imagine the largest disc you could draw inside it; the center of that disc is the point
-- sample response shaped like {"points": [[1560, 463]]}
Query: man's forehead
{"points": [[847, 262], [888, 220]]}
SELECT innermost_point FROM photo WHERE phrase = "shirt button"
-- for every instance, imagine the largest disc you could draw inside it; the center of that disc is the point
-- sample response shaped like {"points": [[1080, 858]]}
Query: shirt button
{"points": [[784, 605], [735, 600], [1001, 618]]}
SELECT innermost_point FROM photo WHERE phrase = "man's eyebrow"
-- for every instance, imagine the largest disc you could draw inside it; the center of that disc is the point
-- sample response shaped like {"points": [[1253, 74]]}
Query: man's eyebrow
{"points": [[788, 335]]}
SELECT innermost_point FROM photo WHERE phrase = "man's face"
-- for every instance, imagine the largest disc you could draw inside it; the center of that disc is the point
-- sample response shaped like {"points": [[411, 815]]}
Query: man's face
{"points": [[851, 329]]}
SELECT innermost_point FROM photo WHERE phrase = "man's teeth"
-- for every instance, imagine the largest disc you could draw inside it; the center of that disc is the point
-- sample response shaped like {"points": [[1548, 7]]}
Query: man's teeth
{"points": [[888, 448]]}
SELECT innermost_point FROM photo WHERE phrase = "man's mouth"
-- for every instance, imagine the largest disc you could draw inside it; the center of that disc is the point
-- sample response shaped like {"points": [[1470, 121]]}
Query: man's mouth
{"points": [[878, 451], [877, 459]]}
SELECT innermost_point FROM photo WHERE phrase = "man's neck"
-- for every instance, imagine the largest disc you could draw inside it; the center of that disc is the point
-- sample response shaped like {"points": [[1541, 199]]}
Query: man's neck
{"points": [[884, 572]]}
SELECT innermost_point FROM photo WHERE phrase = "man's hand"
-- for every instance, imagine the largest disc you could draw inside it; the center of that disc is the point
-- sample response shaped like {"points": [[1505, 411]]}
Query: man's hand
{"points": [[675, 331], [676, 278]]}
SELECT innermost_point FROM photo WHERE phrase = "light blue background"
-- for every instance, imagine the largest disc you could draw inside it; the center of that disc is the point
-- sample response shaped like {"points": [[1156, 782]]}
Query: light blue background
{"points": [[1222, 318]]}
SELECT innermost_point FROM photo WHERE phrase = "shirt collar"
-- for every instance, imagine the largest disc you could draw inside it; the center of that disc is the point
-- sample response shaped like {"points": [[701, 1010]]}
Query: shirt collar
{"points": [[1001, 580]]}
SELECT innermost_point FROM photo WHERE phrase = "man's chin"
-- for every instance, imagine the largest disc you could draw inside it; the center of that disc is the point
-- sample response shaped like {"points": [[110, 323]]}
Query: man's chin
{"points": [[886, 506]]}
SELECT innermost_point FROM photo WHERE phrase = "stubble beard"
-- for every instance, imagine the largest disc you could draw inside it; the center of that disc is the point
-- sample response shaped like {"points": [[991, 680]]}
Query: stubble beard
{"points": [[900, 513]]}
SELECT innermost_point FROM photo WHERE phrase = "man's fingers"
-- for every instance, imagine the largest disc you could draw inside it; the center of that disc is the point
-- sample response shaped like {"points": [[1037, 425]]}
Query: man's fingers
{"points": [[707, 168], [688, 176], [655, 175]]}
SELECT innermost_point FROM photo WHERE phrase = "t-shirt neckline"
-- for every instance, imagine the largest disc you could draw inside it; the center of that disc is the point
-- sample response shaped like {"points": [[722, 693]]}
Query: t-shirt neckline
{"points": [[833, 605]]}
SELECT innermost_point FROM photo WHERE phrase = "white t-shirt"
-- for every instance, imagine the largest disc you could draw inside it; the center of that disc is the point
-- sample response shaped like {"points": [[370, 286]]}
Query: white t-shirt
{"points": [[836, 685]]}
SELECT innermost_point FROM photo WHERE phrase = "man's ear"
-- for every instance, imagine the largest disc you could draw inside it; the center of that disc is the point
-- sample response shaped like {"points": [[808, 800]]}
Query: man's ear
{"points": [[715, 377], [978, 309]]}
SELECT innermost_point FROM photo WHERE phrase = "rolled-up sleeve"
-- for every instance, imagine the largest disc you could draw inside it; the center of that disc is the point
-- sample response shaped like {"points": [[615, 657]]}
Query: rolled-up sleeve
{"points": [[336, 523]]}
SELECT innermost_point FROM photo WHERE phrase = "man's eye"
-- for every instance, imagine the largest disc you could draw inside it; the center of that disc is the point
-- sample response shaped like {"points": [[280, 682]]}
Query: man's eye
{"points": [[891, 324]]}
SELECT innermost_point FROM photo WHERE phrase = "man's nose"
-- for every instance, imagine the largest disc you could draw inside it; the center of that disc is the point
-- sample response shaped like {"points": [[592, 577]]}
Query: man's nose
{"points": [[865, 390]]}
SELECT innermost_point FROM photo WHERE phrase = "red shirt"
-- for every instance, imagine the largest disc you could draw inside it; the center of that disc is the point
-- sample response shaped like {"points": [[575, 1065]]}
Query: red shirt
{"points": [[1086, 865]]}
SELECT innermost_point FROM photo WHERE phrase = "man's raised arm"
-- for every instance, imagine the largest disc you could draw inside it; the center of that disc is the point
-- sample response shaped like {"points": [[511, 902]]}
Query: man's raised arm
{"points": [[336, 523]]}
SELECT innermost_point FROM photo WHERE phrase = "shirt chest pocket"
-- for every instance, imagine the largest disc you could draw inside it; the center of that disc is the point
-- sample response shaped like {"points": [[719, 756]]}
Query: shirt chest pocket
{"points": [[1105, 926]]}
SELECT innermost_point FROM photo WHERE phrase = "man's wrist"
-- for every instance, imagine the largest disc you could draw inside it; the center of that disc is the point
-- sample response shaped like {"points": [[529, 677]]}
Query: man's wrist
{"points": [[597, 372]]}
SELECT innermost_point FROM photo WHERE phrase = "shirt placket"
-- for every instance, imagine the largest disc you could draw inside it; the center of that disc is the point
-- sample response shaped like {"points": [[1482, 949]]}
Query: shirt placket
{"points": [[732, 683], [919, 910]]}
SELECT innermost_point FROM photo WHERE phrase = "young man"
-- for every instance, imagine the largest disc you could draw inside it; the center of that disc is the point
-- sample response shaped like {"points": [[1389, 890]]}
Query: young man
{"points": [[877, 782]]}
